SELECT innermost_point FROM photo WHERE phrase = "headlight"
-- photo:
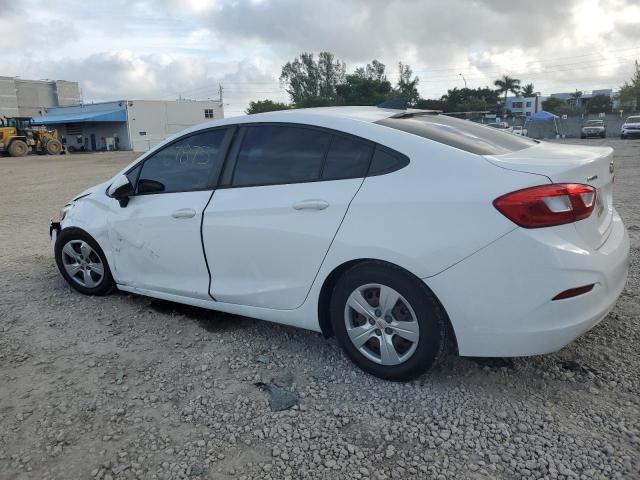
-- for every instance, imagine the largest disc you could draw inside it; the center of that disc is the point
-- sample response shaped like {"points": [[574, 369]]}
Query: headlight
{"points": [[64, 210]]}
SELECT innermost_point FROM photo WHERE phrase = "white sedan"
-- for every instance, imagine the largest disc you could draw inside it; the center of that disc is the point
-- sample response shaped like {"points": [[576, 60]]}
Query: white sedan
{"points": [[399, 232]]}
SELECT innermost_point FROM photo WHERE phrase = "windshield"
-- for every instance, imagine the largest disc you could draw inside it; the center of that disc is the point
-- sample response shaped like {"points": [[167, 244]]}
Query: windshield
{"points": [[633, 120], [463, 134], [594, 123]]}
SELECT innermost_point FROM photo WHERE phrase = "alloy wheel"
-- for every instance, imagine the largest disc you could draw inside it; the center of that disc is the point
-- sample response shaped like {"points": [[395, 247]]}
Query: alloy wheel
{"points": [[381, 324], [82, 263]]}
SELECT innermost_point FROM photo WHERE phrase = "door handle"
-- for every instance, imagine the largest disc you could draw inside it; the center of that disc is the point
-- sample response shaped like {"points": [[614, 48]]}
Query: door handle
{"points": [[184, 213], [311, 205]]}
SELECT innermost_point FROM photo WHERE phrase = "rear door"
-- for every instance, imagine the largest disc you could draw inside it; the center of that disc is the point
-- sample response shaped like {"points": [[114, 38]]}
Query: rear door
{"points": [[267, 231], [156, 237]]}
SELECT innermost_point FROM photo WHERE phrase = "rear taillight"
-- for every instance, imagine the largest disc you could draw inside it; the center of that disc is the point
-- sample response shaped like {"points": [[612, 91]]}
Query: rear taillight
{"points": [[547, 205]]}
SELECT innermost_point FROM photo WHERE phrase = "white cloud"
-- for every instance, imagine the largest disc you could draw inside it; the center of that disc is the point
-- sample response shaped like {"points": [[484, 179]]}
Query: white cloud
{"points": [[163, 48]]}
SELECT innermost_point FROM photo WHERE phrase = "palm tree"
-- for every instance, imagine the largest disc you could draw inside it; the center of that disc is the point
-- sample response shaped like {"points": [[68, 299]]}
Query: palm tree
{"points": [[575, 97], [529, 90], [507, 84]]}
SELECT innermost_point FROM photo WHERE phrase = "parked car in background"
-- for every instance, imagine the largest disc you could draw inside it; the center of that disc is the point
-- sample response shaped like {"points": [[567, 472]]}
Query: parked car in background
{"points": [[501, 126], [631, 127], [520, 130], [594, 128], [396, 231]]}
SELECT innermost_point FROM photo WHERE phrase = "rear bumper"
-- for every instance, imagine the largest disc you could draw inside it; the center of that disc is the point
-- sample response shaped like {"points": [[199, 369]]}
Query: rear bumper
{"points": [[499, 299]]}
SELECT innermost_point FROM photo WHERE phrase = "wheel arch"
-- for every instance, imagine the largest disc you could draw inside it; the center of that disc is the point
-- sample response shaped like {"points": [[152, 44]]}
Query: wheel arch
{"points": [[324, 298], [73, 228]]}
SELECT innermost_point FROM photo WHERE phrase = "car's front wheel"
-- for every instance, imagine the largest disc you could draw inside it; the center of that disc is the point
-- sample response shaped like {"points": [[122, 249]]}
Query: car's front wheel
{"points": [[387, 321], [82, 262]]}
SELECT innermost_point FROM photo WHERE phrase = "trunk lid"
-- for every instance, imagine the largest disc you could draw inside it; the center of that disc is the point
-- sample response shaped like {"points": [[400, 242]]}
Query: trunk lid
{"points": [[563, 163]]}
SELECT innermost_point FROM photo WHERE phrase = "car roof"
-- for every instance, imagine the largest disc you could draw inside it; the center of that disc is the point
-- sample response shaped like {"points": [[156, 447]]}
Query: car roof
{"points": [[362, 113]]}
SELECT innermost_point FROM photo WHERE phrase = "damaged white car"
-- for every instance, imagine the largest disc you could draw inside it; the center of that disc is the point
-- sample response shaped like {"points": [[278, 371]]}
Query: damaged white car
{"points": [[397, 231]]}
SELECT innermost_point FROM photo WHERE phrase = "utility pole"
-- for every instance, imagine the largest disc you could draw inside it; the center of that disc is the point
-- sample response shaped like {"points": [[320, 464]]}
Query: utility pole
{"points": [[220, 89], [464, 80]]}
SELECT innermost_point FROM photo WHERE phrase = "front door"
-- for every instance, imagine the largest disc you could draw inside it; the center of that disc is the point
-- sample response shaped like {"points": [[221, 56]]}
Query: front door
{"points": [[268, 231], [156, 237]]}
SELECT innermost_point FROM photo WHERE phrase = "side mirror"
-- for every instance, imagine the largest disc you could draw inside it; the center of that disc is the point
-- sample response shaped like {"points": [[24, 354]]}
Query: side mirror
{"points": [[121, 189]]}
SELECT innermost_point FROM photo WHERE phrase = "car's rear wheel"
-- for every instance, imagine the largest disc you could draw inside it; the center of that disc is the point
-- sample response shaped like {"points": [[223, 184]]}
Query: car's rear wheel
{"points": [[387, 321], [82, 263]]}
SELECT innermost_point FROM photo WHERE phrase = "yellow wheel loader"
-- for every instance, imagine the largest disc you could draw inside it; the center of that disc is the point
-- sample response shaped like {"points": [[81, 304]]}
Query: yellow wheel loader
{"points": [[18, 137]]}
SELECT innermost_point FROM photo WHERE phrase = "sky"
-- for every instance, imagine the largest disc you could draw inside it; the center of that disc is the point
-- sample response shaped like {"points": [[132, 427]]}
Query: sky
{"points": [[166, 49]]}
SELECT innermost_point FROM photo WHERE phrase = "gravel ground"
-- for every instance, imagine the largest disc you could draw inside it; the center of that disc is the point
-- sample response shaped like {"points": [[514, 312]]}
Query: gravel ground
{"points": [[129, 387]]}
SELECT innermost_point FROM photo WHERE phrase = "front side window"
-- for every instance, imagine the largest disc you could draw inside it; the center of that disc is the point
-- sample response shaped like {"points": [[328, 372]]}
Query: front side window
{"points": [[184, 165], [280, 154]]}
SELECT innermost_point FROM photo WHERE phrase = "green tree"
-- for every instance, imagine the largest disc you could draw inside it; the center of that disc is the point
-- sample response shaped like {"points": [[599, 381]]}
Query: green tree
{"points": [[331, 73], [554, 105], [629, 93], [407, 87], [575, 98], [528, 90], [599, 103], [313, 83], [428, 104], [261, 106], [473, 104], [366, 86], [358, 90], [372, 71], [457, 99], [507, 84]]}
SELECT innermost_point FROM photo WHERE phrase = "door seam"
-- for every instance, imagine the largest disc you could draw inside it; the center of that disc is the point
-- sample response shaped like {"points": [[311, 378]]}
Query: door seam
{"points": [[204, 251], [313, 282]]}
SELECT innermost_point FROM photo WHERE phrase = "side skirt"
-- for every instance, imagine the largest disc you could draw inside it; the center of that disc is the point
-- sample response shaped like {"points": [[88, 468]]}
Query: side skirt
{"points": [[294, 318]]}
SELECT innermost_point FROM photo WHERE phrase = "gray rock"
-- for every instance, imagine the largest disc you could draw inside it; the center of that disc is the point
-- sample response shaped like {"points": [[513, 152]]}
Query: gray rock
{"points": [[265, 359]]}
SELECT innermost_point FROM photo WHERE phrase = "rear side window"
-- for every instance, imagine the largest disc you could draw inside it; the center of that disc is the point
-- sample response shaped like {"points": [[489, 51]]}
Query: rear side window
{"points": [[386, 161], [280, 154], [347, 158], [185, 165], [463, 134]]}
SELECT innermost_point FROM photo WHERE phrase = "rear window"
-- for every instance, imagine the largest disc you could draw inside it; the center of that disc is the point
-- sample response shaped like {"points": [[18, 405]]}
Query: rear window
{"points": [[463, 134]]}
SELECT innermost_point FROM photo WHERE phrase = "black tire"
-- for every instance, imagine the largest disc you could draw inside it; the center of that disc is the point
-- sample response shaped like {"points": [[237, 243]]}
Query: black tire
{"points": [[430, 315], [18, 148], [53, 147], [622, 137], [106, 283], [583, 136]]}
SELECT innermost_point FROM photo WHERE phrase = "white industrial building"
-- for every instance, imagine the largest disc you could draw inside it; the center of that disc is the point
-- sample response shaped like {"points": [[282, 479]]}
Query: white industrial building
{"points": [[134, 125], [27, 98], [525, 106]]}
